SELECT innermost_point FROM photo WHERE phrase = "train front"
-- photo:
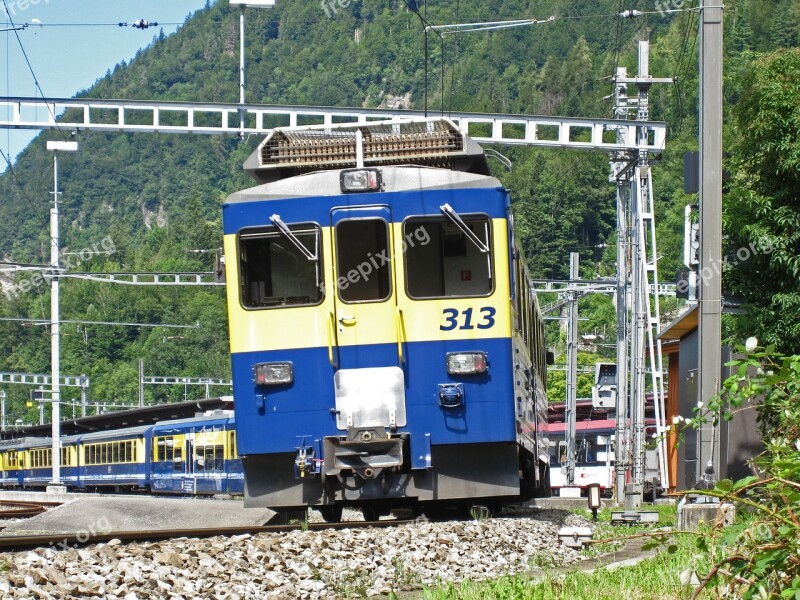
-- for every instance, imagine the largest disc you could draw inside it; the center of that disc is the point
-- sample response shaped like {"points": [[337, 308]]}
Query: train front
{"points": [[370, 321]]}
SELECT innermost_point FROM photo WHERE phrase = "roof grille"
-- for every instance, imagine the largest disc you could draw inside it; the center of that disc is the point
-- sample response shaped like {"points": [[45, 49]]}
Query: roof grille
{"points": [[432, 142]]}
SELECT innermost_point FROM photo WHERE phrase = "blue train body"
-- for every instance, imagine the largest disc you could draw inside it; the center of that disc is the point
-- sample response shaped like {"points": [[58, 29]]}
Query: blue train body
{"points": [[386, 349], [195, 456]]}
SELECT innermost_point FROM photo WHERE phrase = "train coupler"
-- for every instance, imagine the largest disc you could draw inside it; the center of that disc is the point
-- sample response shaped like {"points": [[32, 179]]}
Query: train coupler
{"points": [[366, 451]]}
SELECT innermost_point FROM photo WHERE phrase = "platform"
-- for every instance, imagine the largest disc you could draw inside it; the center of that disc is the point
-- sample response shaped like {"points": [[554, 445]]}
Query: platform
{"points": [[94, 513]]}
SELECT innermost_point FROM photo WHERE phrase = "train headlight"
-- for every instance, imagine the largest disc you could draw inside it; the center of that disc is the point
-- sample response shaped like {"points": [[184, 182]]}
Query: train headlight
{"points": [[276, 373], [360, 180], [466, 363]]}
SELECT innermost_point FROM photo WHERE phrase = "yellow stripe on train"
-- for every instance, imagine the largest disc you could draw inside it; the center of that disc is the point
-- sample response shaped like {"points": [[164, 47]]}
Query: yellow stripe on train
{"points": [[334, 323]]}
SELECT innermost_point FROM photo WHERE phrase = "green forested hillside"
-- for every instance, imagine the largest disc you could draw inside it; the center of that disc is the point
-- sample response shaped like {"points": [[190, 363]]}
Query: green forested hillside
{"points": [[158, 196]]}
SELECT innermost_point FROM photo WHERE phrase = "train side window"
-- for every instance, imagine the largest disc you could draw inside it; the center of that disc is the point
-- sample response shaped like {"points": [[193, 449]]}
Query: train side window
{"points": [[177, 459], [219, 459], [233, 452], [442, 263], [274, 272], [363, 260]]}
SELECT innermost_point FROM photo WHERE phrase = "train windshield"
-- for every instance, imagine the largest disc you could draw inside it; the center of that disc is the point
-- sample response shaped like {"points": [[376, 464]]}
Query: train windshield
{"points": [[443, 262], [364, 260], [274, 272]]}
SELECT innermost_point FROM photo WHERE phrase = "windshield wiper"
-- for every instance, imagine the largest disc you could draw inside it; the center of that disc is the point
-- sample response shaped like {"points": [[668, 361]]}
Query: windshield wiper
{"points": [[456, 219], [287, 233]]}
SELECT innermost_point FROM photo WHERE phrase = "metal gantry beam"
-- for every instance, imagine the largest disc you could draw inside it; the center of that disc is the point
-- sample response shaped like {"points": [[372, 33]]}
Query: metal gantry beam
{"points": [[83, 114], [190, 279], [600, 286], [81, 381], [186, 381]]}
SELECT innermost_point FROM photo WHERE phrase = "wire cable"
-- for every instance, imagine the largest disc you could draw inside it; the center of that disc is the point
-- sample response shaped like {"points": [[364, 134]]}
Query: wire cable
{"points": [[25, 195], [455, 64], [159, 24], [30, 68]]}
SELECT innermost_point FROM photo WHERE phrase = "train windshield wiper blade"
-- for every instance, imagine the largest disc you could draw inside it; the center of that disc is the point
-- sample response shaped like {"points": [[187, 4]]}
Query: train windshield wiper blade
{"points": [[287, 233], [456, 219]]}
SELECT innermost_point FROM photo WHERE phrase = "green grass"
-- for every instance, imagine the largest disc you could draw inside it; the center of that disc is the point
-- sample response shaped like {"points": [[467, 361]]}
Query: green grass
{"points": [[656, 578], [604, 530]]}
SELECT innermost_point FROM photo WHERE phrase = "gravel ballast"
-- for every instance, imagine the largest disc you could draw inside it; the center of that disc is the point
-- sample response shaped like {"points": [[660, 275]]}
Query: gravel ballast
{"points": [[297, 564]]}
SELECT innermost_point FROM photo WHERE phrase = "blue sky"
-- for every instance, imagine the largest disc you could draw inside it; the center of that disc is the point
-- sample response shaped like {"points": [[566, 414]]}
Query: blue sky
{"points": [[69, 58]]}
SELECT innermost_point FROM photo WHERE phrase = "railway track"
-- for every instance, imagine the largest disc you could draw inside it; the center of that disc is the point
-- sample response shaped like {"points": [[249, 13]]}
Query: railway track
{"points": [[9, 543], [10, 509]]}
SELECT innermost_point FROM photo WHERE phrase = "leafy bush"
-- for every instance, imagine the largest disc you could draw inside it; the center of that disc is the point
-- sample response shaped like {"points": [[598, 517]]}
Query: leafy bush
{"points": [[759, 556]]}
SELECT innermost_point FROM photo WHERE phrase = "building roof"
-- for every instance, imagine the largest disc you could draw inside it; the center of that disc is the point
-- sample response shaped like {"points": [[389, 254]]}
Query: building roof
{"points": [[682, 326], [148, 415]]}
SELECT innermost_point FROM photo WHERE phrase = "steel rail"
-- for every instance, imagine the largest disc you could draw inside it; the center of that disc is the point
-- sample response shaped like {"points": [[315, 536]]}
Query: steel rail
{"points": [[12, 509], [12, 543]]}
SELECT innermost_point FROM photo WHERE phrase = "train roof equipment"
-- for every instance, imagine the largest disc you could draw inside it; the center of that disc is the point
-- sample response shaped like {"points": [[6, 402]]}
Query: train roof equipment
{"points": [[434, 142]]}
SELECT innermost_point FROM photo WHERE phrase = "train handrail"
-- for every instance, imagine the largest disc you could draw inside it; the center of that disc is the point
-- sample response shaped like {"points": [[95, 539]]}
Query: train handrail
{"points": [[399, 327], [331, 335]]}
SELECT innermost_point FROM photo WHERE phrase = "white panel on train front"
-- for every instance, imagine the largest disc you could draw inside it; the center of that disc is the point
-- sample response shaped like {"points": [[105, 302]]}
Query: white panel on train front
{"points": [[373, 397]]}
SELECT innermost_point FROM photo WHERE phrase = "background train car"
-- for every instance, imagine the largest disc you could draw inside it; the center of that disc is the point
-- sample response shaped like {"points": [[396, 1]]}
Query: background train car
{"points": [[594, 463], [196, 456], [37, 468], [12, 462], [114, 459], [385, 347], [70, 461]]}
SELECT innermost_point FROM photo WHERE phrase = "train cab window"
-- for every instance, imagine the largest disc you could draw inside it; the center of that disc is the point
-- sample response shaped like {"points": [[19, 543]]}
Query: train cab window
{"points": [[442, 262], [275, 270], [363, 260]]}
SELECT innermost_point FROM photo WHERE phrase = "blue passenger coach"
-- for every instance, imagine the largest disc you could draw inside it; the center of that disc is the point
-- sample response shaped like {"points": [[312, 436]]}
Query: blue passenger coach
{"points": [[386, 348], [194, 456]]}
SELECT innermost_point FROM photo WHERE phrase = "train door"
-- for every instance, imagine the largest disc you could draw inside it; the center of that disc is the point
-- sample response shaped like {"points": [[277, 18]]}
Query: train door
{"points": [[189, 477], [369, 382]]}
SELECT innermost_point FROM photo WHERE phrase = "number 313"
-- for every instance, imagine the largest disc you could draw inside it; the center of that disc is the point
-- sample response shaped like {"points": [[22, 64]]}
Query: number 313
{"points": [[451, 318]]}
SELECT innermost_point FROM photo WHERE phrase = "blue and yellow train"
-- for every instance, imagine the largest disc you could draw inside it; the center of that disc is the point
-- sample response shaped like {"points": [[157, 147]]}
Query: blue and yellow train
{"points": [[195, 456], [386, 348]]}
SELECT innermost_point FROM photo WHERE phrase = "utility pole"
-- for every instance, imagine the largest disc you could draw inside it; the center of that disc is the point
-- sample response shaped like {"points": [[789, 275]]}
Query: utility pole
{"points": [[710, 281], [572, 368], [621, 447], [637, 319], [3, 405], [141, 383], [55, 331], [242, 4]]}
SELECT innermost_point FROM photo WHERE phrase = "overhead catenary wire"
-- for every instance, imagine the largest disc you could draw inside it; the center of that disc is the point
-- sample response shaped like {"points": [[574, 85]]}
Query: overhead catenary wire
{"points": [[30, 68], [111, 323]]}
